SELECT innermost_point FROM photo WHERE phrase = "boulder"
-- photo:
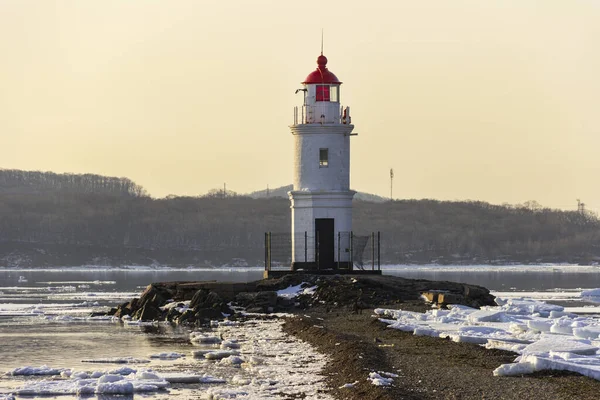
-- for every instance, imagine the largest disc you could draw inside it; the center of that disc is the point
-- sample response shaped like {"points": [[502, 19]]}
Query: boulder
{"points": [[207, 314], [172, 315], [186, 318], [125, 308], [155, 296], [148, 313], [199, 298], [264, 299]]}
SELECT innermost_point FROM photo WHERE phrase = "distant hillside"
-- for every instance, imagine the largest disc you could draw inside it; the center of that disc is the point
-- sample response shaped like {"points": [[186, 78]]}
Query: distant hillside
{"points": [[283, 193], [51, 219], [16, 181]]}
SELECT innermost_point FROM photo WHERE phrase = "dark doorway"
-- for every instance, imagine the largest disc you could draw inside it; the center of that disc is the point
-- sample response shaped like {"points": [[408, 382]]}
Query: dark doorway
{"points": [[324, 229]]}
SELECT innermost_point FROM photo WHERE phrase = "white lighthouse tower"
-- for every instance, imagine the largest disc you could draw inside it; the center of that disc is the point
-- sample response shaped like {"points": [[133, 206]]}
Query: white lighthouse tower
{"points": [[321, 200]]}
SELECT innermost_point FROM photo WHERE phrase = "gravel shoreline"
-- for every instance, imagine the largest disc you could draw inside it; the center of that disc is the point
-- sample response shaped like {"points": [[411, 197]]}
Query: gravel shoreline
{"points": [[428, 368]]}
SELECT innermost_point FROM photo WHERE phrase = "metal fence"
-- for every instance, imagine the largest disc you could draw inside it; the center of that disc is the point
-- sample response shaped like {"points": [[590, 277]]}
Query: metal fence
{"points": [[302, 251]]}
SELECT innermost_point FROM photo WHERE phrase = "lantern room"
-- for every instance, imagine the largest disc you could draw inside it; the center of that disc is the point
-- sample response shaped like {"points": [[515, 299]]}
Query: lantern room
{"points": [[321, 98]]}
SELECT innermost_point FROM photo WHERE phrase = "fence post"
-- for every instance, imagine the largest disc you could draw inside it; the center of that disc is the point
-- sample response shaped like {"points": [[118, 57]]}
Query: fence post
{"points": [[338, 257], [351, 251], [378, 251], [372, 251], [305, 246], [266, 250], [270, 251], [317, 249]]}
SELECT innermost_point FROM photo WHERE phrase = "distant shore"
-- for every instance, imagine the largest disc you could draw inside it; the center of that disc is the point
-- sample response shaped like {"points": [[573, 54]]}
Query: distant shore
{"points": [[42, 255]]}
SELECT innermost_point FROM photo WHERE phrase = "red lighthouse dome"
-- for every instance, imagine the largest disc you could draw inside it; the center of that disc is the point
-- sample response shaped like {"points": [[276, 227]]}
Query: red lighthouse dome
{"points": [[321, 74]]}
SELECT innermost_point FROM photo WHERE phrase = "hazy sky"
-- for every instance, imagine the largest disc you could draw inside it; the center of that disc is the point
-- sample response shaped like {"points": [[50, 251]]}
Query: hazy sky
{"points": [[492, 100]]}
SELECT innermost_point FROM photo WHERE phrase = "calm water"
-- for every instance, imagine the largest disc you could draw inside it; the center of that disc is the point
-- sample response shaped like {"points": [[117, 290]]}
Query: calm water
{"points": [[39, 311], [518, 280]]}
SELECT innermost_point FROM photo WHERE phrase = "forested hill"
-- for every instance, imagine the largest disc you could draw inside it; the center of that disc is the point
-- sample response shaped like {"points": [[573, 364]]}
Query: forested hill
{"points": [[52, 220], [36, 182]]}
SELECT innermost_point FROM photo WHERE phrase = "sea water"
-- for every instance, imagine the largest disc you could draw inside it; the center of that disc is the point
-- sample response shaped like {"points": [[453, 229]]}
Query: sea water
{"points": [[46, 328], [44, 322]]}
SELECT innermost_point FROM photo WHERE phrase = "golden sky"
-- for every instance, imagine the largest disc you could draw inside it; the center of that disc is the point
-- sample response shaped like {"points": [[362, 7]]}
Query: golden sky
{"points": [[490, 100]]}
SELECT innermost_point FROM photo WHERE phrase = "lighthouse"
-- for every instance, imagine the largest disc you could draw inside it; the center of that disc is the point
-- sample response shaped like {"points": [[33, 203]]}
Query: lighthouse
{"points": [[321, 199]]}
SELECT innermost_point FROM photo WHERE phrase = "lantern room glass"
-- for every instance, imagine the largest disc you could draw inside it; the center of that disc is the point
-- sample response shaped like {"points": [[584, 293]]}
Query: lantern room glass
{"points": [[329, 93]]}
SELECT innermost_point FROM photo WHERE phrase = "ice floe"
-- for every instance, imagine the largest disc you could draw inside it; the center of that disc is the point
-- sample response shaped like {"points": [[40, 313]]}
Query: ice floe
{"points": [[35, 371], [167, 356], [190, 378], [116, 360], [202, 337], [545, 336], [119, 382], [80, 384]]}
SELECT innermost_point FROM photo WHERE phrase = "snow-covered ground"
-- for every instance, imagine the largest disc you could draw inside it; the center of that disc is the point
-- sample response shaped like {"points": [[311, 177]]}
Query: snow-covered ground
{"points": [[544, 335]]}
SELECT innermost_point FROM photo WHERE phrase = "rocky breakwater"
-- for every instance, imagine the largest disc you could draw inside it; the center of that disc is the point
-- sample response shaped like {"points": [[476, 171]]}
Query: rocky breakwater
{"points": [[198, 303]]}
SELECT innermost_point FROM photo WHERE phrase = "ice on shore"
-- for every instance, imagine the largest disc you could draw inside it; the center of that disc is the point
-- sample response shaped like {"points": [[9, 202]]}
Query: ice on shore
{"points": [[201, 337], [543, 335], [116, 360], [378, 380], [257, 360], [102, 383], [272, 363], [220, 354], [293, 291], [167, 356], [190, 378], [44, 370]]}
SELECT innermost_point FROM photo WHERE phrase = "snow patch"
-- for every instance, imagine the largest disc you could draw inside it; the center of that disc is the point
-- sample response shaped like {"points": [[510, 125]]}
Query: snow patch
{"points": [[292, 292], [378, 380]]}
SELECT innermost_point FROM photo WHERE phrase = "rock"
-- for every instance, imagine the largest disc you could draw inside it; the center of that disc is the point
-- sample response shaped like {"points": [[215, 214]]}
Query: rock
{"points": [[258, 310], [205, 298], [199, 298], [475, 292], [450, 298], [207, 314], [264, 299], [148, 313], [172, 315], [112, 311], [126, 308], [186, 318], [154, 296], [431, 296]]}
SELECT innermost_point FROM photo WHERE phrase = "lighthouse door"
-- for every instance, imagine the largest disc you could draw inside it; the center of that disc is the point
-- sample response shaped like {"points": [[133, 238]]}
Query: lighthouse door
{"points": [[324, 228]]}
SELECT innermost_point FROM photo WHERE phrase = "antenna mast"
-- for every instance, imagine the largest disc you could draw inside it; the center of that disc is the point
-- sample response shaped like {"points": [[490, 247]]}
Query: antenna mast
{"points": [[580, 207], [321, 41], [391, 184]]}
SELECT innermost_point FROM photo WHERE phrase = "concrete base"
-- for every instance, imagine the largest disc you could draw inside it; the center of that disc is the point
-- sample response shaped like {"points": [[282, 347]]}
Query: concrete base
{"points": [[282, 272]]}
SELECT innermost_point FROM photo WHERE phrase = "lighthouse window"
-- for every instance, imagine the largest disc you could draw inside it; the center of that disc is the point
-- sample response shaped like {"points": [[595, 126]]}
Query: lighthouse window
{"points": [[323, 157], [333, 94], [322, 93]]}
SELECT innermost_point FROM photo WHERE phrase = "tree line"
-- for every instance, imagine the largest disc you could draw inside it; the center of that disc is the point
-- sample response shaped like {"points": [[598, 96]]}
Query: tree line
{"points": [[91, 210]]}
